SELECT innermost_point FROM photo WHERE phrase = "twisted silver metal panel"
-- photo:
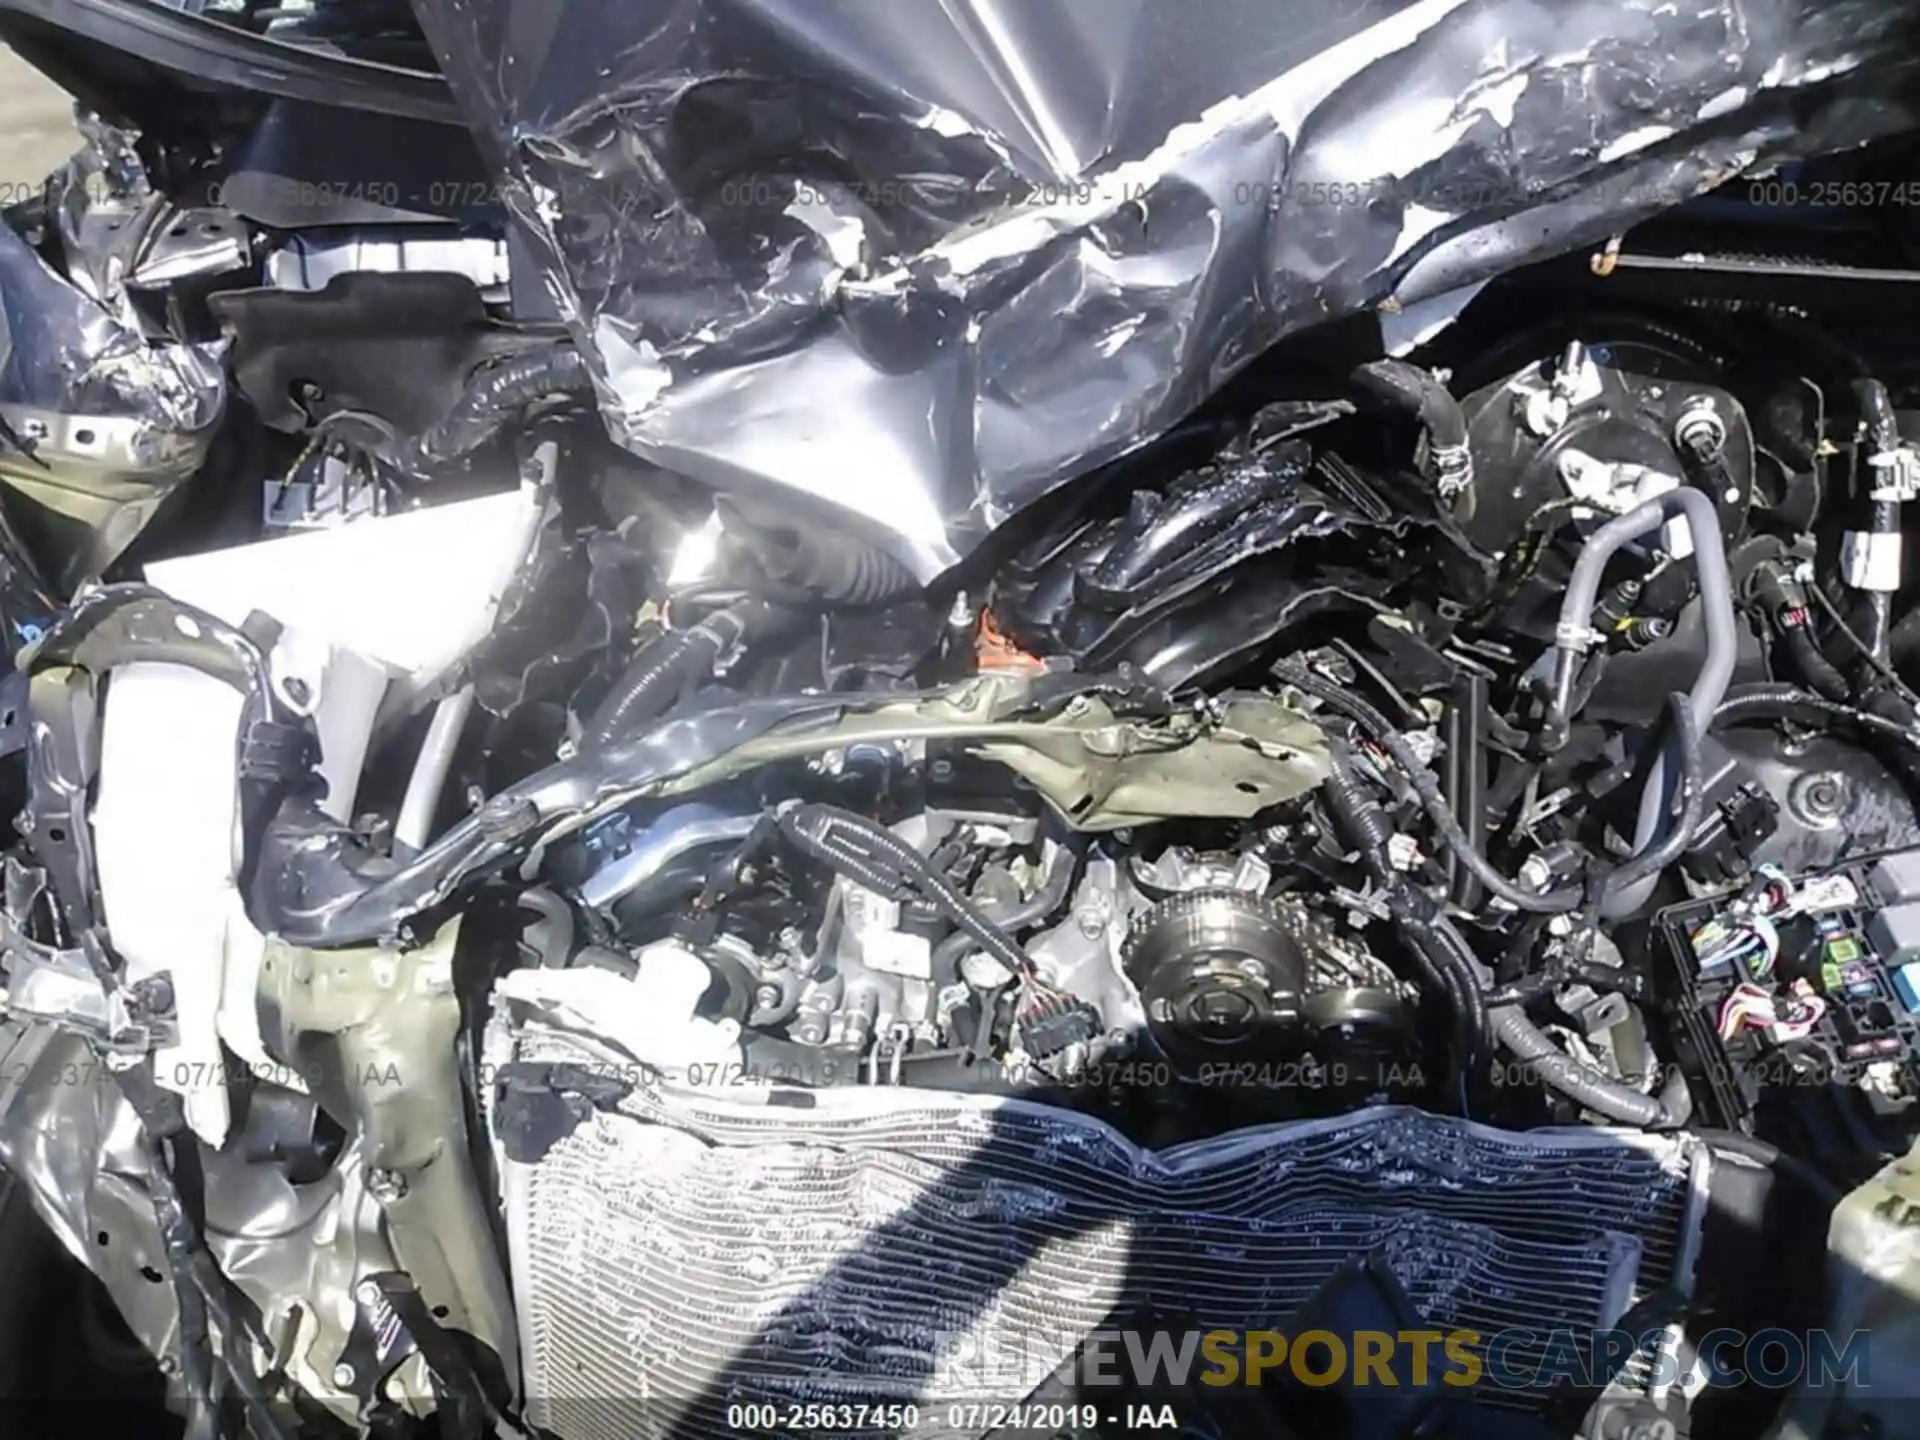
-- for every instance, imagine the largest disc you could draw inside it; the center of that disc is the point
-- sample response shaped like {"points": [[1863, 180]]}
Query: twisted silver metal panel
{"points": [[692, 1252]]}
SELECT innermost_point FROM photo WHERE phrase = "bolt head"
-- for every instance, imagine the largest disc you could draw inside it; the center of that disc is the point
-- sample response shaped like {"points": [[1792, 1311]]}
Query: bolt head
{"points": [[506, 814], [344, 1375], [367, 1293]]}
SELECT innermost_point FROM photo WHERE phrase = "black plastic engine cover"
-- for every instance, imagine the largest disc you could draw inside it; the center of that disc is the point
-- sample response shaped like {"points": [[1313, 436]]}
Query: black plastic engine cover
{"points": [[1193, 580], [395, 346]]}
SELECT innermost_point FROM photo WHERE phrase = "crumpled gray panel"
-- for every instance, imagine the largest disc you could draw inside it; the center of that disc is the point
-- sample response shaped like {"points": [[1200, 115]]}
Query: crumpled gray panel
{"points": [[73, 344], [926, 260]]}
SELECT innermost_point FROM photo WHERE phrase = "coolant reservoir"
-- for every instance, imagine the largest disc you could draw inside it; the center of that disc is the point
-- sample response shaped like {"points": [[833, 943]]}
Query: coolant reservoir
{"points": [[379, 605]]}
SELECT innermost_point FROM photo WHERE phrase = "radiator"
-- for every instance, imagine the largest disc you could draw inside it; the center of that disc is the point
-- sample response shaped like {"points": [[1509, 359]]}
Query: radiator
{"points": [[684, 1254]]}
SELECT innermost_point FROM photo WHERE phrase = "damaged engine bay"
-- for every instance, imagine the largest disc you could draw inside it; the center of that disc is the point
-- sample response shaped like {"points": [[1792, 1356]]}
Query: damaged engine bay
{"points": [[716, 711]]}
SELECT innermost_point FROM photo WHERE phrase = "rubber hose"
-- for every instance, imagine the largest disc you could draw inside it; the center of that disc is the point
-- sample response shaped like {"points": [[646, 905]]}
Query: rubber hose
{"points": [[558, 914], [1553, 902], [1038, 907], [1716, 671], [1463, 994], [1420, 393], [1425, 928], [1459, 956], [1772, 1157], [492, 397], [1467, 780], [1716, 593], [1443, 982], [1903, 642], [1556, 1069], [662, 668], [825, 562], [1812, 664], [1645, 867]]}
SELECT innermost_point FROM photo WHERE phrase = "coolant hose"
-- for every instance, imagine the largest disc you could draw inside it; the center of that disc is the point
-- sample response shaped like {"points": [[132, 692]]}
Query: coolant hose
{"points": [[1558, 1070], [1420, 393], [1642, 870], [1772, 1157], [664, 665], [414, 827], [1448, 962], [1427, 787], [1574, 634], [493, 396]]}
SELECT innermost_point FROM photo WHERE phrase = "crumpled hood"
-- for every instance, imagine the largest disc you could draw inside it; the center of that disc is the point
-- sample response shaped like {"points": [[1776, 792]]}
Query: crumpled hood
{"points": [[927, 259]]}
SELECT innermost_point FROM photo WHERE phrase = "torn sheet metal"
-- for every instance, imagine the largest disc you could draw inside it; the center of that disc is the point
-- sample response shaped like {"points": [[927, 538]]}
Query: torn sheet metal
{"points": [[62, 352], [74, 345], [925, 261], [98, 421]]}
